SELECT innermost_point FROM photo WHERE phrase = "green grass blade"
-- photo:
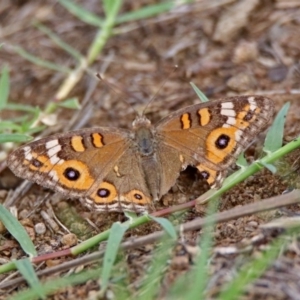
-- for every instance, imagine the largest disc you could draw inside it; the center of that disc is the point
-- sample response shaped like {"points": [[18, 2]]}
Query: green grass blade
{"points": [[201, 95], [150, 287], [241, 161], [192, 285], [92, 19], [115, 237], [31, 123], [7, 267], [105, 32], [14, 137], [71, 103], [38, 61], [200, 274], [108, 6], [26, 269], [274, 136], [21, 107], [54, 285], [145, 12], [270, 167], [17, 231], [4, 87], [9, 125], [36, 129], [166, 225], [94, 50], [58, 41], [81, 13]]}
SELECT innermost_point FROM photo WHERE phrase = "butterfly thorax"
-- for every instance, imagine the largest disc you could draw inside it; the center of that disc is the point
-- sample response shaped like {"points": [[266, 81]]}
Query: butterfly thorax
{"points": [[144, 136]]}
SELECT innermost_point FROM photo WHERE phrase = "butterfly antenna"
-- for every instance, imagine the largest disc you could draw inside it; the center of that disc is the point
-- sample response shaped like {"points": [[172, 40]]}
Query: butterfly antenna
{"points": [[159, 89], [117, 90]]}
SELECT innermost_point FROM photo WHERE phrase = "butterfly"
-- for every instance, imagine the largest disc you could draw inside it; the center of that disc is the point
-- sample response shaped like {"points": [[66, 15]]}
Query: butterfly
{"points": [[113, 169]]}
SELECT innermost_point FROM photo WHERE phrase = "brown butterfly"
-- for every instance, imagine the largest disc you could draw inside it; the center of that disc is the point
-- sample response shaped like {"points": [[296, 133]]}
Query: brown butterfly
{"points": [[114, 169]]}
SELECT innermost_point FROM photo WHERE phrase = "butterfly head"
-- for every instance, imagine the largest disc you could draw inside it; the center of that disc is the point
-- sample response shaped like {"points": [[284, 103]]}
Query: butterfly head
{"points": [[141, 121]]}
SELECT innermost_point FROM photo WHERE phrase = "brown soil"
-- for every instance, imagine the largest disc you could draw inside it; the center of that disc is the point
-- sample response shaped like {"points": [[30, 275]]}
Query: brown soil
{"points": [[226, 48]]}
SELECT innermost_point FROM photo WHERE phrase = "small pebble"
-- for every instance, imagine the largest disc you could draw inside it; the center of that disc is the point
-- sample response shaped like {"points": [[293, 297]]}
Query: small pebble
{"points": [[23, 214], [241, 82], [40, 228], [245, 51], [69, 239], [278, 73], [53, 262], [253, 224], [26, 222]]}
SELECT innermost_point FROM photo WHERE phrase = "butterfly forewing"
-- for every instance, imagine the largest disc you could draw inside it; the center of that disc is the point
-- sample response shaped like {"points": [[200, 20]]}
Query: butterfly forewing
{"points": [[211, 135]]}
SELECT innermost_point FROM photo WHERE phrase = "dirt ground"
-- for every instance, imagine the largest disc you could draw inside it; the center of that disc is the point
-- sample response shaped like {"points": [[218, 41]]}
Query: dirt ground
{"points": [[226, 48]]}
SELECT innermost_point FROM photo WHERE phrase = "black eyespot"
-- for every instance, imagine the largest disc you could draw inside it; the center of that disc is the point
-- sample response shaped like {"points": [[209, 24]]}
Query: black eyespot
{"points": [[248, 116], [36, 163], [138, 196], [222, 141], [103, 193], [71, 174], [205, 174]]}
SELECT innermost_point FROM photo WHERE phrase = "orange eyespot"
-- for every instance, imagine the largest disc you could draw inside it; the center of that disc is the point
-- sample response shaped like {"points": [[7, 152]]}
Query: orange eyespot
{"points": [[137, 197], [105, 193]]}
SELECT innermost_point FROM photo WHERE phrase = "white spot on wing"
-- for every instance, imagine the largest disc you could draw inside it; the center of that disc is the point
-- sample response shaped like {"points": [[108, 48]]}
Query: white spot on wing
{"points": [[231, 121], [61, 161], [51, 144], [228, 112], [253, 104], [54, 150], [53, 175], [27, 153], [54, 159], [227, 105], [238, 135]]}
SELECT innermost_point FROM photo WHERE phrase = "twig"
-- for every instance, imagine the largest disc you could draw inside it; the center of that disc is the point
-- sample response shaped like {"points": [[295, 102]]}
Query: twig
{"points": [[264, 205]]}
